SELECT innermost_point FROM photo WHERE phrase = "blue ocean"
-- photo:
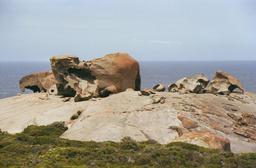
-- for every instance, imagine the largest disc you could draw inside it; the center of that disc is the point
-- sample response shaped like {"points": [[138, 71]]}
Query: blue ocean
{"points": [[151, 72]]}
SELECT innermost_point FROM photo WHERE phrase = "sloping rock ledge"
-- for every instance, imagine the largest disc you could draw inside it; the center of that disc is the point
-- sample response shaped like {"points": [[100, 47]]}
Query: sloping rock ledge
{"points": [[204, 119]]}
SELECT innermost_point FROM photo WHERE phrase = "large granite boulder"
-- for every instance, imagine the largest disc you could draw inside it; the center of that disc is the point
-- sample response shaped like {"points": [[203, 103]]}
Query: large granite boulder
{"points": [[191, 84], [99, 77], [224, 83], [38, 82]]}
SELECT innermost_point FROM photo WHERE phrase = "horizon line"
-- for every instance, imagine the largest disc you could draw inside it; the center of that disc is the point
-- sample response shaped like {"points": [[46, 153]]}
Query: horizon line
{"points": [[6, 61]]}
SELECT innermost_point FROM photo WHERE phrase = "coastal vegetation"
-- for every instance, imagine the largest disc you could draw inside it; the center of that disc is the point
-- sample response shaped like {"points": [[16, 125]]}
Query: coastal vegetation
{"points": [[41, 146]]}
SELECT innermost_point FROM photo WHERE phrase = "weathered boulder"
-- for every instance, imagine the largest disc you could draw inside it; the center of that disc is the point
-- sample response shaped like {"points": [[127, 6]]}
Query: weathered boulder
{"points": [[191, 84], [159, 87], [39, 82], [99, 77], [205, 139], [146, 92], [224, 83]]}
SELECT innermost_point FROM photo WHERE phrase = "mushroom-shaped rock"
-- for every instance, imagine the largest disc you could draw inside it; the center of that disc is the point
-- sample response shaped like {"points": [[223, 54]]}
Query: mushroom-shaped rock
{"points": [[39, 82], [159, 87], [224, 83], [205, 139], [99, 77], [191, 84]]}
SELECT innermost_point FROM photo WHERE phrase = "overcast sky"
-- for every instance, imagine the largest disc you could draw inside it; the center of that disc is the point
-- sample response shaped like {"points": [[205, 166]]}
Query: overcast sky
{"points": [[147, 29]]}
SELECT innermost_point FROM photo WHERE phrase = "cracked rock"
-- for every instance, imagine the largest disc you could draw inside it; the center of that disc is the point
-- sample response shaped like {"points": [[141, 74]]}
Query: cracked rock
{"points": [[191, 84], [100, 77], [224, 83]]}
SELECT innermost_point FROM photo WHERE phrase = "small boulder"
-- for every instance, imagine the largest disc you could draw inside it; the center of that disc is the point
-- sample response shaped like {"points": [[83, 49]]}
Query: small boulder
{"points": [[224, 84], [159, 87], [157, 100], [173, 88], [205, 139], [191, 84], [146, 92]]}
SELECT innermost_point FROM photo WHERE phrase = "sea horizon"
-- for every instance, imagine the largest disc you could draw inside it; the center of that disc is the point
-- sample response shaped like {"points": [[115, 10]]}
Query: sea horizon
{"points": [[152, 72]]}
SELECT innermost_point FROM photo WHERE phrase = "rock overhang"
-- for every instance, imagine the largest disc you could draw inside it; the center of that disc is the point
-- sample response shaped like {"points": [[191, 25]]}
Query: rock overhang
{"points": [[84, 80]]}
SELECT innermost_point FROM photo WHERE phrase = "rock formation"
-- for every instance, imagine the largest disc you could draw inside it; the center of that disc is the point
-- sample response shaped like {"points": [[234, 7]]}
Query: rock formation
{"points": [[39, 82], [159, 87], [219, 122], [244, 124], [146, 92], [191, 84], [224, 83], [205, 139], [99, 77], [179, 118]]}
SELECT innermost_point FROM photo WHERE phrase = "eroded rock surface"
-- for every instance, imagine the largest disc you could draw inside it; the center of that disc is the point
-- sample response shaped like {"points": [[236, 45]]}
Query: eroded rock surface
{"points": [[224, 83], [192, 84], [179, 118], [159, 87], [100, 77], [39, 82], [187, 122], [206, 139]]}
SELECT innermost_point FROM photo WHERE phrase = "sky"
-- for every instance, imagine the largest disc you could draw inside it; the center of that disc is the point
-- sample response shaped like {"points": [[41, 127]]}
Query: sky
{"points": [[149, 30]]}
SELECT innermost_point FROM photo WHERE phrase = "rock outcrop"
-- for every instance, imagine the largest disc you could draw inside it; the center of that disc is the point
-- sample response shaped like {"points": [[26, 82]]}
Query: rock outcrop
{"points": [[100, 77], [178, 118], [205, 139], [218, 122], [224, 83], [39, 82], [191, 84], [244, 125]]}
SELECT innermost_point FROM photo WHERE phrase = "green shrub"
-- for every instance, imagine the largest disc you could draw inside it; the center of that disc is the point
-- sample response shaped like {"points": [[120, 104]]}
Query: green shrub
{"points": [[40, 146], [76, 115], [129, 144]]}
